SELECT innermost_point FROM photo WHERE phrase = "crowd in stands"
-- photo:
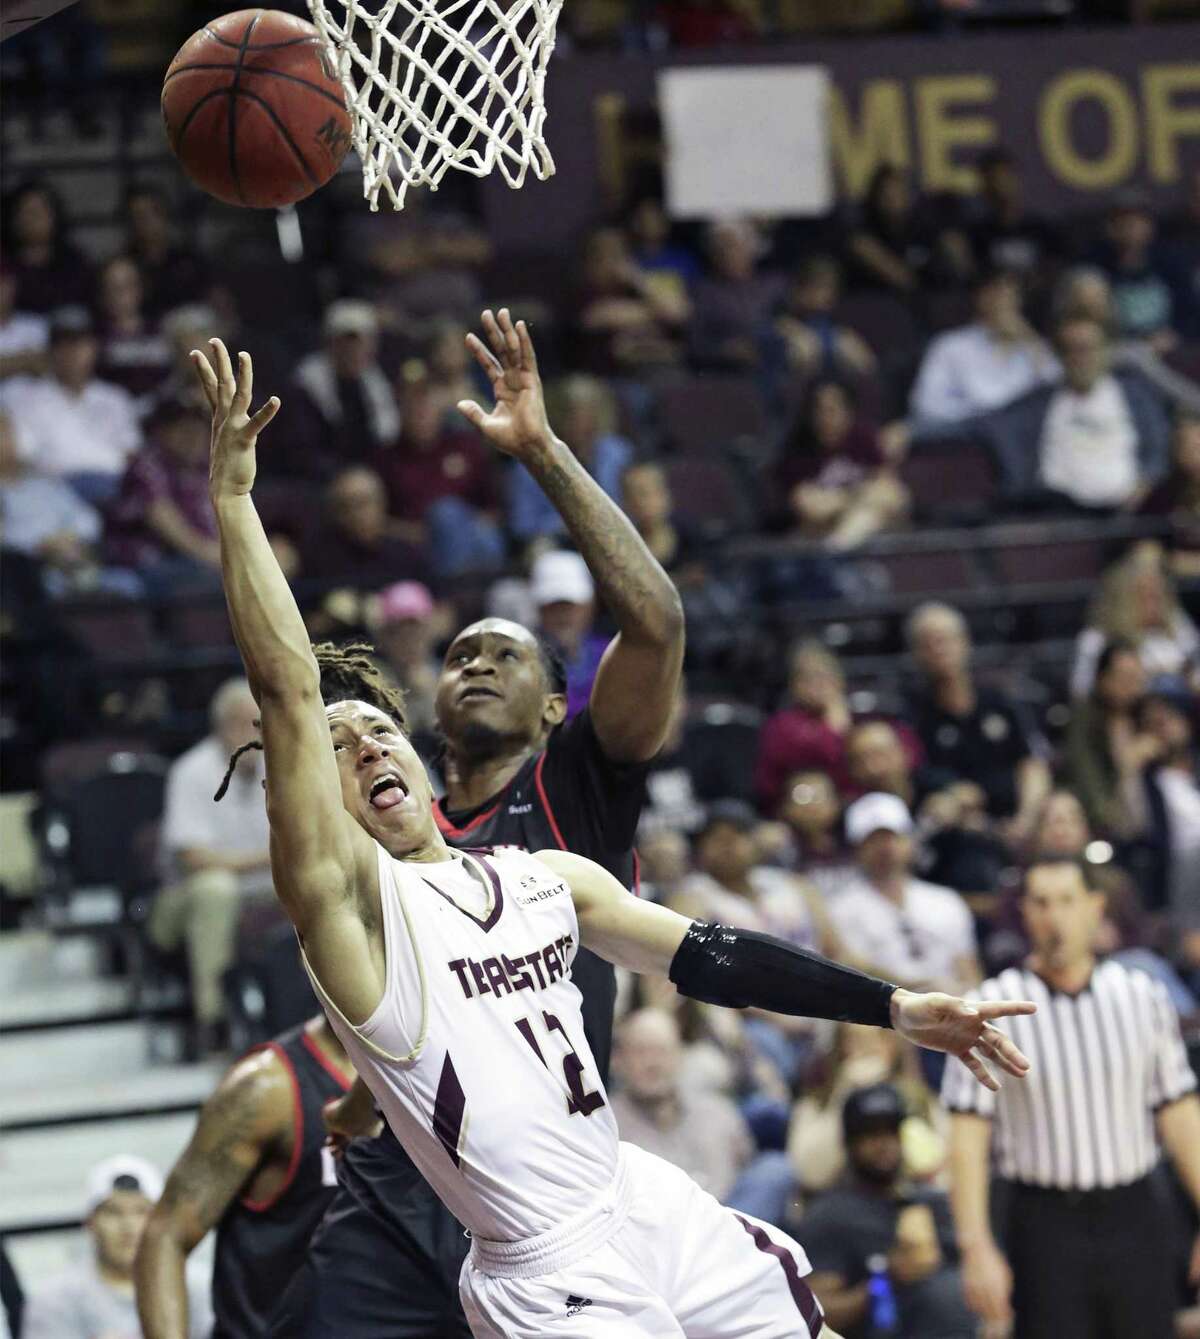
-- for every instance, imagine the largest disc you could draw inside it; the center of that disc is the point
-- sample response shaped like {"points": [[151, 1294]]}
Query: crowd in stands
{"points": [[882, 827]]}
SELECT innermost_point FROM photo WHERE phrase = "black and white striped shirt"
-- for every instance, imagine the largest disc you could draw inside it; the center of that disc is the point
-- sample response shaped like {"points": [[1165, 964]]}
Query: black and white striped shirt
{"points": [[1104, 1061]]}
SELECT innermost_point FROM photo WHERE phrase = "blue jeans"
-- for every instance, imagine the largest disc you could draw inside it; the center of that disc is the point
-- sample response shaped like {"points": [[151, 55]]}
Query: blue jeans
{"points": [[461, 540]]}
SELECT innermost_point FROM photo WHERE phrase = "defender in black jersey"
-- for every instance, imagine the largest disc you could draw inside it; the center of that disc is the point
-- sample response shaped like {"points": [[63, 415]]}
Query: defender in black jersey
{"points": [[384, 1264], [258, 1169]]}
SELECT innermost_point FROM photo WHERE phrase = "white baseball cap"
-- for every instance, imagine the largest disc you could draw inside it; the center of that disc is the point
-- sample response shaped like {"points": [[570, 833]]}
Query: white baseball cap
{"points": [[877, 812], [350, 316], [561, 576], [123, 1172]]}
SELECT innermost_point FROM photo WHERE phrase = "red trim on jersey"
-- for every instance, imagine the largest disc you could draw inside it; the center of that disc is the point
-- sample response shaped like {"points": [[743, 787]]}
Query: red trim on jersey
{"points": [[341, 1079], [541, 790], [449, 829], [637, 873], [261, 1206]]}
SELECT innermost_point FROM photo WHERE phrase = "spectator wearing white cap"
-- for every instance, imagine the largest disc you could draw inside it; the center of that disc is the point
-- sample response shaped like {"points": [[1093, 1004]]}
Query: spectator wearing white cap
{"points": [[565, 596], [407, 627], [94, 1298], [341, 408], [915, 933]]}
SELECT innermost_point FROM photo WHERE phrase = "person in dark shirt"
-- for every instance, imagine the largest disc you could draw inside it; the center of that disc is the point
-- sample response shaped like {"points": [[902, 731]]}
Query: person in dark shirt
{"points": [[360, 545], [257, 1171], [975, 733], [173, 274], [1003, 233], [50, 271], [1140, 270], [873, 1222], [385, 1262]]}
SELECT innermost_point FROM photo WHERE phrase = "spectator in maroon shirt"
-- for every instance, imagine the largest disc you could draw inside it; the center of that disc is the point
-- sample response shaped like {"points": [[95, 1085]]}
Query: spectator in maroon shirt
{"points": [[441, 477], [50, 272], [360, 546], [133, 352], [162, 524], [835, 481], [810, 733]]}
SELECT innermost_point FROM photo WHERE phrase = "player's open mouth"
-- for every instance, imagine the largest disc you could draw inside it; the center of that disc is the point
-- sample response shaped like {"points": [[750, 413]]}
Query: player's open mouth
{"points": [[476, 691], [387, 791]]}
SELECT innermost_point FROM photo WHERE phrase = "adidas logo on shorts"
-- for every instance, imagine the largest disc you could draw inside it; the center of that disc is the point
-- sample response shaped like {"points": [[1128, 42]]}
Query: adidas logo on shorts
{"points": [[576, 1304]]}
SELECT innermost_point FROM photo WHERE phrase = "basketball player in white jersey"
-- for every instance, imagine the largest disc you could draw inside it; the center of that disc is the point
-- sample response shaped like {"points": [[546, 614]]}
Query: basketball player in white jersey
{"points": [[447, 977]]}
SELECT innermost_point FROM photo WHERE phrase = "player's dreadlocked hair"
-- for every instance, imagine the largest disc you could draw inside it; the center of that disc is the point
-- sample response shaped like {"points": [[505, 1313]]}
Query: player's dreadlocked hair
{"points": [[347, 672]]}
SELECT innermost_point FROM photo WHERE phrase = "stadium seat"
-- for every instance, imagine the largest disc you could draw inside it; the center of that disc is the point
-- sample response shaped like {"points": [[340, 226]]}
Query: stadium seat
{"points": [[708, 493], [721, 745], [98, 830], [704, 413], [112, 630], [950, 481], [1043, 559], [943, 572], [883, 321], [200, 623], [63, 763]]}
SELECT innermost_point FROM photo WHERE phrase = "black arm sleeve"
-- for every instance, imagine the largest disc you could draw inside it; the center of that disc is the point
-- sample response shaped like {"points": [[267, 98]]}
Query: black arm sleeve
{"points": [[740, 969]]}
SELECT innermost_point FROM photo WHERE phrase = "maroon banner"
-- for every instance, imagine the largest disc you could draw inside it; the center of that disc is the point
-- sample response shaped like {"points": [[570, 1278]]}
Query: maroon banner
{"points": [[1086, 112]]}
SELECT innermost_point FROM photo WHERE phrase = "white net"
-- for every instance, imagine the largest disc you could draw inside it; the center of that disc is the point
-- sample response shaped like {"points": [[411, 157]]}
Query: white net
{"points": [[440, 84]]}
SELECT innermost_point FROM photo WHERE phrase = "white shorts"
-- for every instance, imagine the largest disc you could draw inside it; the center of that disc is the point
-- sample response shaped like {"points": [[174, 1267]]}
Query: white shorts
{"points": [[656, 1258]]}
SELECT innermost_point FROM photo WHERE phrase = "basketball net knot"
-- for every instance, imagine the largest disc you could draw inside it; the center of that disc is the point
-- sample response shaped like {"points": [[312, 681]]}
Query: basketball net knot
{"points": [[440, 84]]}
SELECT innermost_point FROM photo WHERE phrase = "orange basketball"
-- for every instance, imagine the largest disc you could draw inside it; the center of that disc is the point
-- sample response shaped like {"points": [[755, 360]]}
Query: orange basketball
{"points": [[254, 109]]}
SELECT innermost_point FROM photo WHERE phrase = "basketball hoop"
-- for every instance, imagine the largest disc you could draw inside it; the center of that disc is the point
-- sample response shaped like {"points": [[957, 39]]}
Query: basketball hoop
{"points": [[440, 84]]}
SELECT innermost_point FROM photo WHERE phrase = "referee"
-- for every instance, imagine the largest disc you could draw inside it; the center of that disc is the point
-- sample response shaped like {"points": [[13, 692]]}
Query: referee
{"points": [[1090, 1251]]}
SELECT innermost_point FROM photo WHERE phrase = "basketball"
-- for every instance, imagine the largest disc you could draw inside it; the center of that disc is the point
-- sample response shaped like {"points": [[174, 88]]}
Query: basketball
{"points": [[254, 109]]}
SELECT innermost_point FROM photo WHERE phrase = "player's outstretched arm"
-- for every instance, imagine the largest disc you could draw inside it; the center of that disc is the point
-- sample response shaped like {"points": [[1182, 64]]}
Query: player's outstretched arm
{"points": [[319, 857], [247, 1118], [743, 969], [638, 678]]}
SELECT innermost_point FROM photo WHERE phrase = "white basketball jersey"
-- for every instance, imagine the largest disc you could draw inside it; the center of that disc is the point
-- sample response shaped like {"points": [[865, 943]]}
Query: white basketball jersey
{"points": [[476, 1052]]}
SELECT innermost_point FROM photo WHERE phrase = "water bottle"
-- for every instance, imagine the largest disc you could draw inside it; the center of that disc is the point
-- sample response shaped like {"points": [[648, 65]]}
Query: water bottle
{"points": [[883, 1315]]}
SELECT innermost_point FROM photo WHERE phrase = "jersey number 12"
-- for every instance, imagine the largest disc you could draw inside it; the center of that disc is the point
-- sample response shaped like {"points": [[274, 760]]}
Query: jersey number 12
{"points": [[580, 1102]]}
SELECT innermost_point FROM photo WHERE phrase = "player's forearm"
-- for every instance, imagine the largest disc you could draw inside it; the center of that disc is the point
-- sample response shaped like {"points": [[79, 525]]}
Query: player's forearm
{"points": [[638, 594], [1179, 1130], [266, 620], [970, 1148], [741, 969], [160, 1276]]}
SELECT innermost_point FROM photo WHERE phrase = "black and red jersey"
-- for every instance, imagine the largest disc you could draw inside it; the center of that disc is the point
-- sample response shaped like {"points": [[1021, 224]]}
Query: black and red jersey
{"points": [[260, 1245]]}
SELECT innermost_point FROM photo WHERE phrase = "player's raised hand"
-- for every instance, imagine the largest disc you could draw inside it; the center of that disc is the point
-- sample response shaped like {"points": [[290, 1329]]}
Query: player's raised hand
{"points": [[517, 423], [231, 461], [945, 1023]]}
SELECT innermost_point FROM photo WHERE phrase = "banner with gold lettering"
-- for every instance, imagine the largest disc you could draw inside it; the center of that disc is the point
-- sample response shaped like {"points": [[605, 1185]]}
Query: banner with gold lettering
{"points": [[1085, 112]]}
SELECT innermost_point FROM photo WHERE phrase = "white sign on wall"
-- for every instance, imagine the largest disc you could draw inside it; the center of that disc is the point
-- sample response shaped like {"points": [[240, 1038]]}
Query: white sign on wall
{"points": [[750, 139]]}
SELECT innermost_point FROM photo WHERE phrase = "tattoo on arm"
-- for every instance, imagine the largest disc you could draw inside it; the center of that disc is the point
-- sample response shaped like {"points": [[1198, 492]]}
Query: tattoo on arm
{"points": [[240, 1124], [636, 590]]}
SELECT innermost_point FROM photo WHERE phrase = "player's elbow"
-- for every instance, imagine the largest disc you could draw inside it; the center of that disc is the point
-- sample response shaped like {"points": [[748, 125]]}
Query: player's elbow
{"points": [[288, 678], [665, 624]]}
